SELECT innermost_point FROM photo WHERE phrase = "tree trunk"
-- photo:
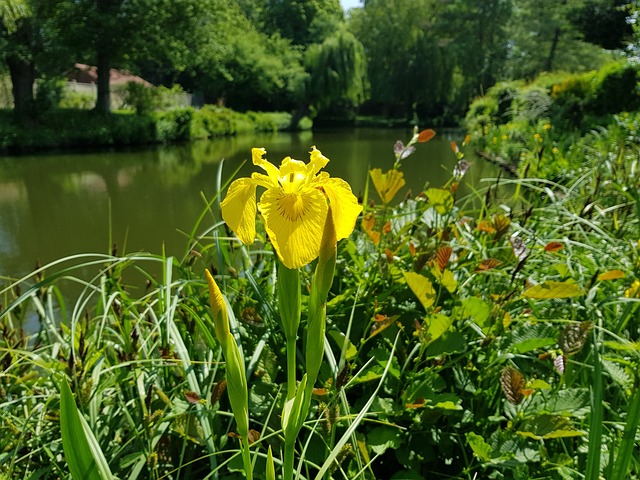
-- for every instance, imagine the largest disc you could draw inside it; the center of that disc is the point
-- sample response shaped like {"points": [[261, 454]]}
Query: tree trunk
{"points": [[23, 77], [552, 50], [103, 102]]}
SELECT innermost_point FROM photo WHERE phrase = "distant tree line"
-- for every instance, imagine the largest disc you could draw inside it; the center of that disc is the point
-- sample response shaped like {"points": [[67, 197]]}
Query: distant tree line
{"points": [[401, 58]]}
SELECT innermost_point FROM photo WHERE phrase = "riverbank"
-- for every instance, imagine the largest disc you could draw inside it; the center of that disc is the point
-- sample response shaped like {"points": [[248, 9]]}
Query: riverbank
{"points": [[77, 128]]}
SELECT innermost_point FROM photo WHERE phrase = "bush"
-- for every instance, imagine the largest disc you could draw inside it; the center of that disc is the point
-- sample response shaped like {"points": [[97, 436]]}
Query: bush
{"points": [[616, 89], [84, 128]]}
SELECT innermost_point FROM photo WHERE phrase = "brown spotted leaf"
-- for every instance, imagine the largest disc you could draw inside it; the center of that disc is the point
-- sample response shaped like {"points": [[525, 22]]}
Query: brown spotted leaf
{"points": [[574, 336], [488, 264], [442, 257], [513, 384]]}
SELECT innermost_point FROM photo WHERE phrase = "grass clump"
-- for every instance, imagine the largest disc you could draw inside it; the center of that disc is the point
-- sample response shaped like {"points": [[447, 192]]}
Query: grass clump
{"points": [[488, 336]]}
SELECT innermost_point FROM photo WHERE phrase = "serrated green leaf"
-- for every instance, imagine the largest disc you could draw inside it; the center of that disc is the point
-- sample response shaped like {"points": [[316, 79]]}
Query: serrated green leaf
{"points": [[381, 438], [534, 343], [435, 325], [421, 288], [478, 310], [339, 337], [548, 290], [441, 199], [481, 449]]}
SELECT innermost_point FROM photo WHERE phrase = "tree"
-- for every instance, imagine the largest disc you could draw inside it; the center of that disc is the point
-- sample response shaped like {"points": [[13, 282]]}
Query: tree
{"points": [[543, 38], [337, 71], [604, 23], [242, 66], [298, 20], [117, 33], [477, 42], [18, 34], [408, 66]]}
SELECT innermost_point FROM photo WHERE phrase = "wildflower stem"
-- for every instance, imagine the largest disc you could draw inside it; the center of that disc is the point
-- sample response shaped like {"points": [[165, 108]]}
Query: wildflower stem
{"points": [[291, 368], [287, 466], [246, 458]]}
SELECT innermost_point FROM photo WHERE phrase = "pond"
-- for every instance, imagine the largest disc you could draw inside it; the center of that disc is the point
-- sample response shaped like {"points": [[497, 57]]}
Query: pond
{"points": [[52, 206]]}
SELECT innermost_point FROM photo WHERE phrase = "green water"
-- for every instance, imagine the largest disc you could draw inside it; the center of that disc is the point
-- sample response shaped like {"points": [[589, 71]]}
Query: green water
{"points": [[52, 206]]}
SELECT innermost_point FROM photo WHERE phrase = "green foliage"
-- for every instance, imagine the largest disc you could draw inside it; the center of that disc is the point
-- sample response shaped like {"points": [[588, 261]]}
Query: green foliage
{"points": [[559, 109], [337, 71], [494, 335], [83, 128]]}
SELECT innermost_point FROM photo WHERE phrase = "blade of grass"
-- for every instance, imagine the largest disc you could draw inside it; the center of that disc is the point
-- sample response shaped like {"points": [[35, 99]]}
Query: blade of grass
{"points": [[347, 434], [595, 423], [84, 456], [628, 442], [173, 334]]}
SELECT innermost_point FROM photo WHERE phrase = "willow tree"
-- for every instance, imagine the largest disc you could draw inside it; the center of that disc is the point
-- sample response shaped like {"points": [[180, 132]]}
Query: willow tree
{"points": [[408, 67], [337, 71]]}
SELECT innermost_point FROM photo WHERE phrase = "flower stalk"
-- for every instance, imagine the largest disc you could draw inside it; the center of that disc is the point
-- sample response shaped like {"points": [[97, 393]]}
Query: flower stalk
{"points": [[235, 371]]}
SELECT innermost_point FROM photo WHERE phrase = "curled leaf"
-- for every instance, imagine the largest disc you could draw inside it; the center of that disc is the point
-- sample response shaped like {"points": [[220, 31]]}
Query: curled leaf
{"points": [[387, 184], [553, 246], [488, 264], [192, 397], [611, 275], [426, 135]]}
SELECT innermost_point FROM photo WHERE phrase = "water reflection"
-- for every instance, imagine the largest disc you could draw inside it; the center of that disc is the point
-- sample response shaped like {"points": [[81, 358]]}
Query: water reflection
{"points": [[144, 200]]}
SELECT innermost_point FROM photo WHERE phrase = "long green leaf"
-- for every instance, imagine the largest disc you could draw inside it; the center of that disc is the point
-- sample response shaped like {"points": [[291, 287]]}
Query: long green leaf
{"points": [[84, 456], [628, 443], [595, 424]]}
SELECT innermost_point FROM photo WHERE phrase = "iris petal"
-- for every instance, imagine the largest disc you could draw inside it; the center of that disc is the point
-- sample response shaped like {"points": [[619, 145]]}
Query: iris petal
{"points": [[344, 205], [294, 222], [270, 168], [317, 160], [239, 209]]}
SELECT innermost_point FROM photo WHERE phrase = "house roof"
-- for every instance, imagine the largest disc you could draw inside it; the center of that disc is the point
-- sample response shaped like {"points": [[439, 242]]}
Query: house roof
{"points": [[82, 73]]}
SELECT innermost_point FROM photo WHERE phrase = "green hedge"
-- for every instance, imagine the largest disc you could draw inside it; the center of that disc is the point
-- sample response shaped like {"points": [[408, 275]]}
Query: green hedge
{"points": [[74, 128], [570, 101]]}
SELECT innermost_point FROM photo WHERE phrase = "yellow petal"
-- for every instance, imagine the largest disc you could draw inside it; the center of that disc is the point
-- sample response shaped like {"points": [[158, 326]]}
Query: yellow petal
{"points": [[256, 157], [293, 175], [239, 209], [317, 161], [387, 184], [294, 222], [344, 205]]}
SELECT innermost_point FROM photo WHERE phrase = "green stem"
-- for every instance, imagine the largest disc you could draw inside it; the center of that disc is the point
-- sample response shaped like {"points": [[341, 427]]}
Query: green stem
{"points": [[291, 368], [287, 466], [246, 459]]}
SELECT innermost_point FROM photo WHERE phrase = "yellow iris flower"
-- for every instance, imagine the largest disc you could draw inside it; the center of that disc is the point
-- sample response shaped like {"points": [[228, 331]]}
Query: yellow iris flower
{"points": [[294, 206]]}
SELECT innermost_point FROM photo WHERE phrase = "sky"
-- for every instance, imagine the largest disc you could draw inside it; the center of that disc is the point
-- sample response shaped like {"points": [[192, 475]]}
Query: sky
{"points": [[347, 4]]}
